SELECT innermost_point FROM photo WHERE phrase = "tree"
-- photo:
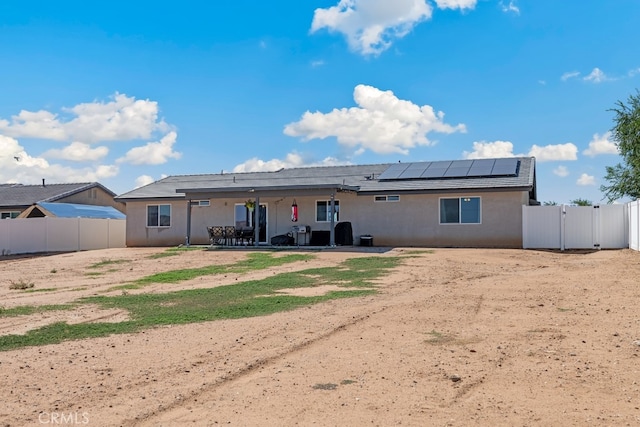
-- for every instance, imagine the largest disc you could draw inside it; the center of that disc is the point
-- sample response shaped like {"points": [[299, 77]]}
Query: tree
{"points": [[550, 203], [624, 179], [581, 202]]}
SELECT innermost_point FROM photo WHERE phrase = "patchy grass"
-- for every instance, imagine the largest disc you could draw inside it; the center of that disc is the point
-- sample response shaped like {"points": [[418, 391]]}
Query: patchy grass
{"points": [[26, 310], [254, 261], [439, 338], [42, 290], [175, 251], [325, 386], [108, 261], [245, 299]]}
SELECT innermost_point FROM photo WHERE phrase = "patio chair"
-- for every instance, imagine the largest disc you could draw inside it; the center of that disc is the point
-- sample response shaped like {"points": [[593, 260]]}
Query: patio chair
{"points": [[244, 236], [230, 235], [216, 235]]}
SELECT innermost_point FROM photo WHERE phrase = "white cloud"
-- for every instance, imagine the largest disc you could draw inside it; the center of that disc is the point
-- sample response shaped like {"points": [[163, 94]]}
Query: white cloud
{"points": [[143, 180], [569, 75], [456, 4], [153, 153], [292, 160], [634, 72], [381, 123], [371, 26], [561, 171], [484, 150], [317, 63], [78, 152], [511, 7], [601, 144], [548, 153], [596, 76], [16, 165], [586, 180], [122, 119]]}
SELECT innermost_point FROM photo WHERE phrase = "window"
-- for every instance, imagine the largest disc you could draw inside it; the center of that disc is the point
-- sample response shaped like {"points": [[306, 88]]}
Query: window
{"points": [[463, 210], [9, 215], [200, 203], [323, 211], [386, 198], [158, 215]]}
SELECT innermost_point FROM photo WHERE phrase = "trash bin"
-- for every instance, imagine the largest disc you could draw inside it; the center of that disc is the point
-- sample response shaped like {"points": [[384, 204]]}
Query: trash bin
{"points": [[366, 240]]}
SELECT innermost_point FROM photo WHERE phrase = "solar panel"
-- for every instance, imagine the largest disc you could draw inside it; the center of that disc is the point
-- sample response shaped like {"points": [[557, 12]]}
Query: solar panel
{"points": [[414, 170], [505, 167], [452, 169], [394, 171], [481, 167]]}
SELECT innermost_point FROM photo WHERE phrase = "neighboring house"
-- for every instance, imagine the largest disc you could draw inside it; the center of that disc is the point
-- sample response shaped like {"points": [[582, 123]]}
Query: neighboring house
{"points": [[71, 210], [462, 203], [16, 198]]}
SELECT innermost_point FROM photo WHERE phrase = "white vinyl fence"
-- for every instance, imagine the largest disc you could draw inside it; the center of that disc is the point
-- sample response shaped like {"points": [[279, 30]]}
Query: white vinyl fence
{"points": [[32, 235], [634, 225], [576, 227]]}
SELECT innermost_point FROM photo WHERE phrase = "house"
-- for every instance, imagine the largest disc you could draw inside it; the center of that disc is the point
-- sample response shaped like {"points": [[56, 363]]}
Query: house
{"points": [[461, 203], [16, 198]]}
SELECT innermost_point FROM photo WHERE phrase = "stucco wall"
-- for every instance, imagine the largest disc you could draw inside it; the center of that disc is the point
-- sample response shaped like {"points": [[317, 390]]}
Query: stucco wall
{"points": [[412, 221], [94, 196]]}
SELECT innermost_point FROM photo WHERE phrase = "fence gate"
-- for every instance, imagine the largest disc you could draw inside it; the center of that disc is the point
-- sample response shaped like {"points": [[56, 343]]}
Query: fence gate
{"points": [[575, 227]]}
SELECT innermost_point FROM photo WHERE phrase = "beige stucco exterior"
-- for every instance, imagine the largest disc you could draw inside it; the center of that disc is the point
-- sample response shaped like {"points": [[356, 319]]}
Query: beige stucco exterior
{"points": [[414, 220], [93, 196]]}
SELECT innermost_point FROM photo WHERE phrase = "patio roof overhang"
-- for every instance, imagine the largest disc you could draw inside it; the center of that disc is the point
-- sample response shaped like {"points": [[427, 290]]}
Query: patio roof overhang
{"points": [[279, 190]]}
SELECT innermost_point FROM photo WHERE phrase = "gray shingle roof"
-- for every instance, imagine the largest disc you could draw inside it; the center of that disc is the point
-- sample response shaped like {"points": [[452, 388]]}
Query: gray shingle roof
{"points": [[361, 178], [27, 195]]}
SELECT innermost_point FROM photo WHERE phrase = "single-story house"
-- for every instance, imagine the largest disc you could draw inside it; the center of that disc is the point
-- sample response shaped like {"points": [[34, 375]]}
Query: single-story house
{"points": [[460, 203], [16, 198], [71, 210]]}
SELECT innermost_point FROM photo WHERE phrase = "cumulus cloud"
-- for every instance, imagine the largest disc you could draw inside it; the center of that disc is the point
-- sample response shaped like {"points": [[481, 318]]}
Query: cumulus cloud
{"points": [[601, 144], [143, 180], [153, 153], [586, 180], [484, 150], [371, 26], [16, 165], [549, 153], [561, 171], [596, 76], [381, 123], [292, 160], [78, 152], [124, 118]]}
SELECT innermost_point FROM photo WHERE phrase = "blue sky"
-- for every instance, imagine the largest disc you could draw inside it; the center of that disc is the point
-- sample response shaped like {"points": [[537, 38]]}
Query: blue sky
{"points": [[125, 93]]}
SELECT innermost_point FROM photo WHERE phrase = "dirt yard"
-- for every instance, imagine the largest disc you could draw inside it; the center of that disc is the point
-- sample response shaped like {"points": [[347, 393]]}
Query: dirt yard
{"points": [[453, 337]]}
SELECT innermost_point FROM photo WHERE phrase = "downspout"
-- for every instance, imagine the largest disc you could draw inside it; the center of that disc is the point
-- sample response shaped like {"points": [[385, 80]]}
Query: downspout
{"points": [[332, 231], [188, 238]]}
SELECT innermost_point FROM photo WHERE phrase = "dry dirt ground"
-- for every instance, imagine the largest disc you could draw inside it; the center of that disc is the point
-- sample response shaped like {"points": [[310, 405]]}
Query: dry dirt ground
{"points": [[453, 337]]}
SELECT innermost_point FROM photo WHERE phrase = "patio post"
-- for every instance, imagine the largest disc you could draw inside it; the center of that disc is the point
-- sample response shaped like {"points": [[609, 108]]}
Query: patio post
{"points": [[332, 231]]}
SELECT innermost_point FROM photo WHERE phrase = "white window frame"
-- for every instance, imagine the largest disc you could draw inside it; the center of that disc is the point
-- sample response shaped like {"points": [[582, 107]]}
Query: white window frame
{"points": [[460, 201], [201, 203], [390, 198], [328, 212], [159, 206], [9, 214]]}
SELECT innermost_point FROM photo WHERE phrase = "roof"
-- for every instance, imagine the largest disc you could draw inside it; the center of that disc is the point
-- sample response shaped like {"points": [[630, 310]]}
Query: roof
{"points": [[363, 179], [73, 210], [27, 195]]}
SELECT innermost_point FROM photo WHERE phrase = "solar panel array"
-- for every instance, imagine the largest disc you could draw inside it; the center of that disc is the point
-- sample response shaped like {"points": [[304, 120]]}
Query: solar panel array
{"points": [[479, 168]]}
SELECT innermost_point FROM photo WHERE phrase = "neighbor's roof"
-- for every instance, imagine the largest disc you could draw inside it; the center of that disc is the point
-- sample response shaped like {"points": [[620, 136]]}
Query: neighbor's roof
{"points": [[74, 210], [364, 179], [26, 195]]}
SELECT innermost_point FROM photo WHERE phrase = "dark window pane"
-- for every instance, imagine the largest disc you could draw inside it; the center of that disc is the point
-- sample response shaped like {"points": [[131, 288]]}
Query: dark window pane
{"points": [[470, 210], [152, 216], [449, 211], [165, 215]]}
